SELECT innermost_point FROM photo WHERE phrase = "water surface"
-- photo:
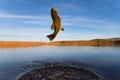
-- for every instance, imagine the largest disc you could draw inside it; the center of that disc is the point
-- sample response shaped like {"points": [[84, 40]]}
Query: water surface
{"points": [[106, 60]]}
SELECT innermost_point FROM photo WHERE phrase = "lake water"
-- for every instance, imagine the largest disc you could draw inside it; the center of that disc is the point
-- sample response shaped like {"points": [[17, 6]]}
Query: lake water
{"points": [[105, 60]]}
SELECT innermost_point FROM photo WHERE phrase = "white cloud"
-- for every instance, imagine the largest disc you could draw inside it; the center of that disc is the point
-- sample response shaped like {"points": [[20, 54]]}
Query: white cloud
{"points": [[13, 16], [18, 33], [90, 23], [13, 20], [24, 34], [69, 6], [67, 21], [80, 36]]}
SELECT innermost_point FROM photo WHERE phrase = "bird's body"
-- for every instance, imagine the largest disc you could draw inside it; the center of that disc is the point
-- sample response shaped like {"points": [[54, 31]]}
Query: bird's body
{"points": [[56, 25]]}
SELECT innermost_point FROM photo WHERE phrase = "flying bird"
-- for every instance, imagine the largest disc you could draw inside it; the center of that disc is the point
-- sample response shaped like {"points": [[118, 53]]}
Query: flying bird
{"points": [[56, 25]]}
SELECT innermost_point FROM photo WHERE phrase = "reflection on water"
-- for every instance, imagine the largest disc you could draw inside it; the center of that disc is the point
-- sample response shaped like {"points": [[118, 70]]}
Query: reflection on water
{"points": [[106, 60]]}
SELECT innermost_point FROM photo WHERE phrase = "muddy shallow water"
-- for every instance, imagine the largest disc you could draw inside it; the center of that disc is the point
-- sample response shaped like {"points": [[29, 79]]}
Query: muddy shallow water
{"points": [[102, 62]]}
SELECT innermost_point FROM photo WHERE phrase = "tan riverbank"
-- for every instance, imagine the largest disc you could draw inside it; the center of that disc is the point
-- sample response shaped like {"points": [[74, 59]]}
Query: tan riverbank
{"points": [[95, 42], [14, 44]]}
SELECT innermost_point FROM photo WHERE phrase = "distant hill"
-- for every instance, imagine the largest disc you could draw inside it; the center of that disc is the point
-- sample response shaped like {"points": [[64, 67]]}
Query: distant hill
{"points": [[115, 39], [111, 39], [94, 42]]}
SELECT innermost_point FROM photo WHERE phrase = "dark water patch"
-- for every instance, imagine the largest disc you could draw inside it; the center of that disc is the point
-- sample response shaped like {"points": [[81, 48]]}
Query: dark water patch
{"points": [[64, 70]]}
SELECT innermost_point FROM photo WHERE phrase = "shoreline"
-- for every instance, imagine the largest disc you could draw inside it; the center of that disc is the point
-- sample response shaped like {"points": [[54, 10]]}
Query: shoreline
{"points": [[95, 42]]}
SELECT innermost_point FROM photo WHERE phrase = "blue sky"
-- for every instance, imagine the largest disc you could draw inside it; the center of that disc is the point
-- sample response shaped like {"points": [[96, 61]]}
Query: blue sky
{"points": [[30, 20]]}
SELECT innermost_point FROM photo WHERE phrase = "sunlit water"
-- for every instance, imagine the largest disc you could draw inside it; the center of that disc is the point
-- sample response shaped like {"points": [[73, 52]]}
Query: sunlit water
{"points": [[106, 60]]}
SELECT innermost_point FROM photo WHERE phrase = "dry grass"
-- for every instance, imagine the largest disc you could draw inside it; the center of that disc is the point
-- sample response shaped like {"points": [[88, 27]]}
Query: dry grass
{"points": [[20, 44], [95, 42]]}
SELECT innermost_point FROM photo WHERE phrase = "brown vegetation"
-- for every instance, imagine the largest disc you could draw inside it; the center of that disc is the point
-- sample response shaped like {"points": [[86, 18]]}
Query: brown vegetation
{"points": [[95, 42], [8, 44]]}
